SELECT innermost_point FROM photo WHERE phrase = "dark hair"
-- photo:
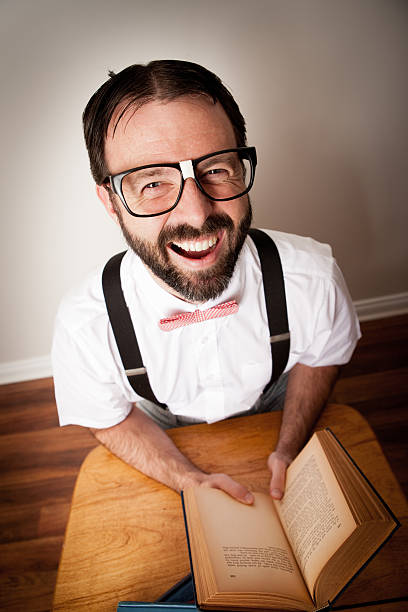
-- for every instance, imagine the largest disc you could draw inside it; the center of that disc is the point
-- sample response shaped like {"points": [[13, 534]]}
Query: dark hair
{"points": [[139, 84]]}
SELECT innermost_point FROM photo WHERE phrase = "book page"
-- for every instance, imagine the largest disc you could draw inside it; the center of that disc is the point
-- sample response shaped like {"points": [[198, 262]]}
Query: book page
{"points": [[248, 550], [313, 511]]}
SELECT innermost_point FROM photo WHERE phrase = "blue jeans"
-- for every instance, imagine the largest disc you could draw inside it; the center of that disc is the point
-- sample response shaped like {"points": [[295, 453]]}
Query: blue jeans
{"points": [[273, 399]]}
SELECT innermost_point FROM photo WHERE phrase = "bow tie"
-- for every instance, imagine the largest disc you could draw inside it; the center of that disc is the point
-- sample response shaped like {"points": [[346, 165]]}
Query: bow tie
{"points": [[187, 318]]}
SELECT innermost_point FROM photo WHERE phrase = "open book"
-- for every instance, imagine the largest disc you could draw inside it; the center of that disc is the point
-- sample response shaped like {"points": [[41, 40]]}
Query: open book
{"points": [[294, 554]]}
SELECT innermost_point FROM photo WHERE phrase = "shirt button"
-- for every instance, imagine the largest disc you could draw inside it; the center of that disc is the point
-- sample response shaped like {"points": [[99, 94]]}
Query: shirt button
{"points": [[204, 340]]}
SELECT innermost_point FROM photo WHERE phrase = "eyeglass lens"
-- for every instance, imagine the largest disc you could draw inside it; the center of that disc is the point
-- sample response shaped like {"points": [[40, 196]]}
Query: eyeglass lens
{"points": [[153, 190]]}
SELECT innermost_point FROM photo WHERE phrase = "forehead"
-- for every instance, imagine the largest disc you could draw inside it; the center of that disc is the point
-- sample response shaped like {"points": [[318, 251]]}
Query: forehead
{"points": [[173, 131]]}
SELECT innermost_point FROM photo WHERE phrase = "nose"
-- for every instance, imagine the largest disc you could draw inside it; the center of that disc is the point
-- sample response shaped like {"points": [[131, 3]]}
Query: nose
{"points": [[193, 207]]}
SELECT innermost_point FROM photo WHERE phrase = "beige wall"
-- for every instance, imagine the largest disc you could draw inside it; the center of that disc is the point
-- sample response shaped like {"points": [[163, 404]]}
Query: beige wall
{"points": [[323, 85]]}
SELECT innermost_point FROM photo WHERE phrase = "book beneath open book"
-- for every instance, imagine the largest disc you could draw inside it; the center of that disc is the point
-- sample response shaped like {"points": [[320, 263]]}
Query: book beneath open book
{"points": [[294, 554]]}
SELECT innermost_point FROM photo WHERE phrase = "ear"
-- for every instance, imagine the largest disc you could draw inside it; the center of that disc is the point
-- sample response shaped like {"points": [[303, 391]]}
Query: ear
{"points": [[103, 194]]}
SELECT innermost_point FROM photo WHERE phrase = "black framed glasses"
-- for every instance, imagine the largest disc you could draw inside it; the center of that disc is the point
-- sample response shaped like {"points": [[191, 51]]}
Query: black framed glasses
{"points": [[155, 189]]}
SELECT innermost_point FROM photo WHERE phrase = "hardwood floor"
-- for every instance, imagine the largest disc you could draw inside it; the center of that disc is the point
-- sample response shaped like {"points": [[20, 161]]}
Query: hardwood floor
{"points": [[39, 460]]}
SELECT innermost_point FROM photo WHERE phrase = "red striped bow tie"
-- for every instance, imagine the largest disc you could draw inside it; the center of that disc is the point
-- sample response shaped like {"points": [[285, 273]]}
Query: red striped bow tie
{"points": [[187, 318]]}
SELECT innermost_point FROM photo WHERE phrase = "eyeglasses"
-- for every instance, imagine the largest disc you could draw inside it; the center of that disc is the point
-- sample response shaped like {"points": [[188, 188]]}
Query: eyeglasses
{"points": [[155, 189]]}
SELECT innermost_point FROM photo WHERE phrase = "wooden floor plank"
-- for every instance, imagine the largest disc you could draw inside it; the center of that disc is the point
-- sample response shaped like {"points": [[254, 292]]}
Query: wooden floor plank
{"points": [[28, 573], [55, 440], [372, 386], [23, 422], [28, 393], [391, 335], [29, 555], [27, 591]]}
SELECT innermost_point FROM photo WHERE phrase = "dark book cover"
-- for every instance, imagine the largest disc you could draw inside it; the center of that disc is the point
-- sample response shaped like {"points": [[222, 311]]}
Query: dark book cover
{"points": [[179, 597]]}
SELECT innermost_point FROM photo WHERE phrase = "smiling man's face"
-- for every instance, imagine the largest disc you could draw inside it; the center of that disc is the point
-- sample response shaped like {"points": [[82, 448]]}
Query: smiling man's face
{"points": [[191, 250]]}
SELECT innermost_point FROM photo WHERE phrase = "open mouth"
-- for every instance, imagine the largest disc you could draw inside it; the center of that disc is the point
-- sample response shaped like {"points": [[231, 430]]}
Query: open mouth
{"points": [[195, 249]]}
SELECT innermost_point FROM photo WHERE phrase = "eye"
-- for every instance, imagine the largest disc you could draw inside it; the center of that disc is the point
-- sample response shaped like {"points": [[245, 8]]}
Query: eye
{"points": [[215, 175], [152, 185], [157, 189], [216, 171]]}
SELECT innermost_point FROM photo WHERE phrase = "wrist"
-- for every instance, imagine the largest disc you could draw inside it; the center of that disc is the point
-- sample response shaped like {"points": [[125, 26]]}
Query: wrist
{"points": [[284, 454]]}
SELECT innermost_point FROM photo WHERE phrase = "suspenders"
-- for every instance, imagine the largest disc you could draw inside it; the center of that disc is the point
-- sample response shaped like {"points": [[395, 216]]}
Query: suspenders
{"points": [[275, 300], [123, 330]]}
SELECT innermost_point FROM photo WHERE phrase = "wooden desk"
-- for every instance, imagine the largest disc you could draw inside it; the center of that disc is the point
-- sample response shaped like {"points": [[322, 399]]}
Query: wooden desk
{"points": [[125, 538]]}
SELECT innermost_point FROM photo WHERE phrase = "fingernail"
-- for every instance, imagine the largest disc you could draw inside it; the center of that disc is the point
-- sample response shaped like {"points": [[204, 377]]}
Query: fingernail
{"points": [[276, 493], [249, 498]]}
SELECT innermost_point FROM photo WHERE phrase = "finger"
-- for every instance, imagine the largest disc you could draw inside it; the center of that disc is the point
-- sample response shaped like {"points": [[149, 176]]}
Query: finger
{"points": [[277, 485], [230, 486]]}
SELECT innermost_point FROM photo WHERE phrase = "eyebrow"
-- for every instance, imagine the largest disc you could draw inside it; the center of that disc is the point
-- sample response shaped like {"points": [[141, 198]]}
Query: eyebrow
{"points": [[225, 157], [156, 170]]}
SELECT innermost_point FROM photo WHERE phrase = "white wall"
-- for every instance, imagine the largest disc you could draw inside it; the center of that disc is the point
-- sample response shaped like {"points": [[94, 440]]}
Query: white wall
{"points": [[323, 85]]}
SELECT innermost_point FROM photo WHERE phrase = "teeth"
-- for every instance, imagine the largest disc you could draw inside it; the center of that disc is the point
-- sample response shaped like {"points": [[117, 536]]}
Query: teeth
{"points": [[202, 245]]}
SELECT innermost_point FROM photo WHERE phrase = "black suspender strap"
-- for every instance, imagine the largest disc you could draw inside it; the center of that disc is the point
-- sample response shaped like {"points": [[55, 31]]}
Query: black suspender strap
{"points": [[123, 330], [275, 299]]}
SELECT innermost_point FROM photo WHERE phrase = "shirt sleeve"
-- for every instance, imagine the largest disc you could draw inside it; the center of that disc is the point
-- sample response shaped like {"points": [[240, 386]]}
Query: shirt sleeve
{"points": [[332, 330], [89, 390]]}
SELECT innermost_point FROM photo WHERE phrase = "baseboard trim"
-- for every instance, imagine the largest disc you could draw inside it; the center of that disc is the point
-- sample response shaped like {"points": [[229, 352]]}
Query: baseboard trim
{"points": [[381, 307], [25, 369], [40, 367]]}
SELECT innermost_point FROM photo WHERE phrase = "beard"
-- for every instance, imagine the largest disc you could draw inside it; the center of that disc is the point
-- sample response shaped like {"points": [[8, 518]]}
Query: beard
{"points": [[193, 286]]}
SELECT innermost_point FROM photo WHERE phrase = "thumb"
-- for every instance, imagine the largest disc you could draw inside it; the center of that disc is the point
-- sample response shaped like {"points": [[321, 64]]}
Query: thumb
{"points": [[278, 466], [230, 486]]}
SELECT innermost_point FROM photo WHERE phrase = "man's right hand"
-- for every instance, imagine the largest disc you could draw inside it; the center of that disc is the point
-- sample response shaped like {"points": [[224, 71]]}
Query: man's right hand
{"points": [[230, 486]]}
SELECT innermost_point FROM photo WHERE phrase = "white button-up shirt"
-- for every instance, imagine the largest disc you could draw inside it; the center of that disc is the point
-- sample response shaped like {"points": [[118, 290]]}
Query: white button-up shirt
{"points": [[209, 370]]}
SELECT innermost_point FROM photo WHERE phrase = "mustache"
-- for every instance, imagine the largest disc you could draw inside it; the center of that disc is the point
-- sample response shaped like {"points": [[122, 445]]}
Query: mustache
{"points": [[182, 232]]}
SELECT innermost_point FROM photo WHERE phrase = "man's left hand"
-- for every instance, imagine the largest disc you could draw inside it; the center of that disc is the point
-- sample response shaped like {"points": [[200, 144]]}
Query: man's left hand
{"points": [[307, 392]]}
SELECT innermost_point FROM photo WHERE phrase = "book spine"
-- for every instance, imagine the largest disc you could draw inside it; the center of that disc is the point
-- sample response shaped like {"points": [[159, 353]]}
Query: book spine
{"points": [[189, 548]]}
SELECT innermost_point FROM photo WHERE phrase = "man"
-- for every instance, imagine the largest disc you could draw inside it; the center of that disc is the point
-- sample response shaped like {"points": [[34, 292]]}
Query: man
{"points": [[167, 149]]}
